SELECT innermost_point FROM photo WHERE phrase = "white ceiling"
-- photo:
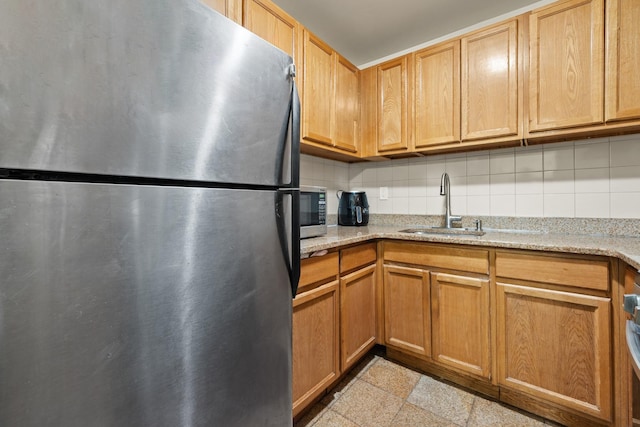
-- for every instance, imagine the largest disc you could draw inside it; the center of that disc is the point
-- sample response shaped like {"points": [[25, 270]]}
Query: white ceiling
{"points": [[365, 31]]}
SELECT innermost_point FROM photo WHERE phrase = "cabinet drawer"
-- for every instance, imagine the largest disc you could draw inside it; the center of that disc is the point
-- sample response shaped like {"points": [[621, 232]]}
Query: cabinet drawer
{"points": [[356, 257], [582, 272], [316, 270], [463, 259]]}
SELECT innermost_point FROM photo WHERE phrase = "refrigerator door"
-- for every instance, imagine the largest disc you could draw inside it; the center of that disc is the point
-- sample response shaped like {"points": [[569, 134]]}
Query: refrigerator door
{"points": [[142, 306], [146, 88]]}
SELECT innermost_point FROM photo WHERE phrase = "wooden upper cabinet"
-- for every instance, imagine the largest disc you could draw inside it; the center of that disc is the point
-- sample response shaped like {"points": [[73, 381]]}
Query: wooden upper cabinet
{"points": [[264, 18], [623, 60], [437, 95], [318, 81], [232, 9], [566, 82], [393, 105], [347, 105], [491, 75]]}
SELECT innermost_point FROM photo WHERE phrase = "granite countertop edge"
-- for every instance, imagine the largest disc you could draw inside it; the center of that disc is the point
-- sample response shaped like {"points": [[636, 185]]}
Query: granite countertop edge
{"points": [[625, 248]]}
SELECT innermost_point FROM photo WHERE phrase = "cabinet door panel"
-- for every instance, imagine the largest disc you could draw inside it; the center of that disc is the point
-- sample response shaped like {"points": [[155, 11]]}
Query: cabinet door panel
{"points": [[556, 346], [268, 21], [406, 305], [318, 90], [229, 8], [347, 107], [623, 60], [490, 83], [358, 314], [460, 322], [315, 342], [437, 95], [567, 65], [393, 105]]}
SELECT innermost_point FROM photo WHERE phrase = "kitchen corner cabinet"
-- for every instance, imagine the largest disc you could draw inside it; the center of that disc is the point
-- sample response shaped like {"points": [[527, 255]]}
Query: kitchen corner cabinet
{"points": [[554, 332], [437, 95], [232, 9], [357, 303], [265, 19], [330, 100], [566, 82], [623, 61], [315, 335], [393, 92]]}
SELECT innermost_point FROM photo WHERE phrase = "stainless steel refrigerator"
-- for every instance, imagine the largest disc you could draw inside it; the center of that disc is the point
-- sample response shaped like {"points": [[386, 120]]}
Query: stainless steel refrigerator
{"points": [[149, 243]]}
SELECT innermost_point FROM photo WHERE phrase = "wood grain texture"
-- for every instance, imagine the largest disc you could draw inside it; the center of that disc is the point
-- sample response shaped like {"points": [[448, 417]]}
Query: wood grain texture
{"points": [[315, 342], [623, 60], [393, 104], [232, 9], [460, 323], [556, 346], [357, 257], [347, 106], [267, 20], [448, 257], [566, 83], [406, 305], [577, 271], [357, 315], [316, 270], [437, 95], [490, 91], [319, 90]]}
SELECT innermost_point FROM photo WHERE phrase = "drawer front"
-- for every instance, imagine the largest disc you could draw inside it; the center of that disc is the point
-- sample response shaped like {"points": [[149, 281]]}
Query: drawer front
{"points": [[582, 272], [356, 257], [453, 258], [316, 270]]}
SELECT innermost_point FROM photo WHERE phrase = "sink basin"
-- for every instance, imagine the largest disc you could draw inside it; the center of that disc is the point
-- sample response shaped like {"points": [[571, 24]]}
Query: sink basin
{"points": [[443, 230]]}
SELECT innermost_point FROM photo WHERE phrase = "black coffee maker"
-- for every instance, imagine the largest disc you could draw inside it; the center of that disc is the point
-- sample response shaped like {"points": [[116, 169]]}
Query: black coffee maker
{"points": [[353, 208]]}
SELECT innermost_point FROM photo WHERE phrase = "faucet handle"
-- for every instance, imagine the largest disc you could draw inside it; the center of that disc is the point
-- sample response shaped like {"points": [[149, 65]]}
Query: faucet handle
{"points": [[478, 224]]}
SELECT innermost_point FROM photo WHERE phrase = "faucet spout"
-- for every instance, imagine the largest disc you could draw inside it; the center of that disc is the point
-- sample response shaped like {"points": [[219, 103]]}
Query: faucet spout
{"points": [[445, 190]]}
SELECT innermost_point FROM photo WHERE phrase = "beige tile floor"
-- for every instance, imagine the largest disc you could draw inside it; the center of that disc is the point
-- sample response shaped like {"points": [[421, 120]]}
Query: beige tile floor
{"points": [[380, 393]]}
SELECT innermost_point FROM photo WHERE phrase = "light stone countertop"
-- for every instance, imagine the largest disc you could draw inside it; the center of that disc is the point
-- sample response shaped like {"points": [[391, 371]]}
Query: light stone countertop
{"points": [[624, 248]]}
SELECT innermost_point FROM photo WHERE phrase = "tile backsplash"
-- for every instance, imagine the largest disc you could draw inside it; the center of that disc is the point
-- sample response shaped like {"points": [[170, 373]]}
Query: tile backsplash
{"points": [[592, 178]]}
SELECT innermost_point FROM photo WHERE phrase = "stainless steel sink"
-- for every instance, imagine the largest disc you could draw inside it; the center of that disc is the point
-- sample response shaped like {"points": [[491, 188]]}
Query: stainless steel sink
{"points": [[443, 230]]}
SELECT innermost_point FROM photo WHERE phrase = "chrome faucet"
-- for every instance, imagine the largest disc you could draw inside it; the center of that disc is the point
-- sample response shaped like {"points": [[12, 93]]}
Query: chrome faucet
{"points": [[445, 190]]}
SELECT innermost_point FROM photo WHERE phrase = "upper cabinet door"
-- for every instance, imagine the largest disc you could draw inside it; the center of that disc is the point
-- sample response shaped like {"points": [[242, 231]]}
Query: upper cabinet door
{"points": [[393, 104], [232, 9], [347, 105], [437, 95], [566, 65], [318, 89], [490, 83], [268, 21], [623, 60]]}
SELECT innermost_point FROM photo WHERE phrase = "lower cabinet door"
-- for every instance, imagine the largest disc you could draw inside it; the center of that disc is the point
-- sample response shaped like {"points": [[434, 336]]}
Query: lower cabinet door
{"points": [[406, 309], [358, 314], [460, 323], [315, 343], [556, 346]]}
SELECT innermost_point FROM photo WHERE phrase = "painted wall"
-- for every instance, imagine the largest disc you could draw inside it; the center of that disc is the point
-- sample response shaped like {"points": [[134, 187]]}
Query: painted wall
{"points": [[592, 178]]}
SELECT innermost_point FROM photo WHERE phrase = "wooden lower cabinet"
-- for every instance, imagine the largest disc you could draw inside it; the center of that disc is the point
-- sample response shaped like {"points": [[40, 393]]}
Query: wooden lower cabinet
{"points": [[556, 346], [316, 362], [358, 315], [406, 309], [460, 323]]}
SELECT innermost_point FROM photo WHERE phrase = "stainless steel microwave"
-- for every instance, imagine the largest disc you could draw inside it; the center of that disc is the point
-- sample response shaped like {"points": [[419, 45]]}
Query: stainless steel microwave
{"points": [[313, 211]]}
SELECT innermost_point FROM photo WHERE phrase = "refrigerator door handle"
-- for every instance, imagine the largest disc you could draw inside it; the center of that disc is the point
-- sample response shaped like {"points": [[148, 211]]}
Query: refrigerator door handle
{"points": [[291, 255], [289, 237]]}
